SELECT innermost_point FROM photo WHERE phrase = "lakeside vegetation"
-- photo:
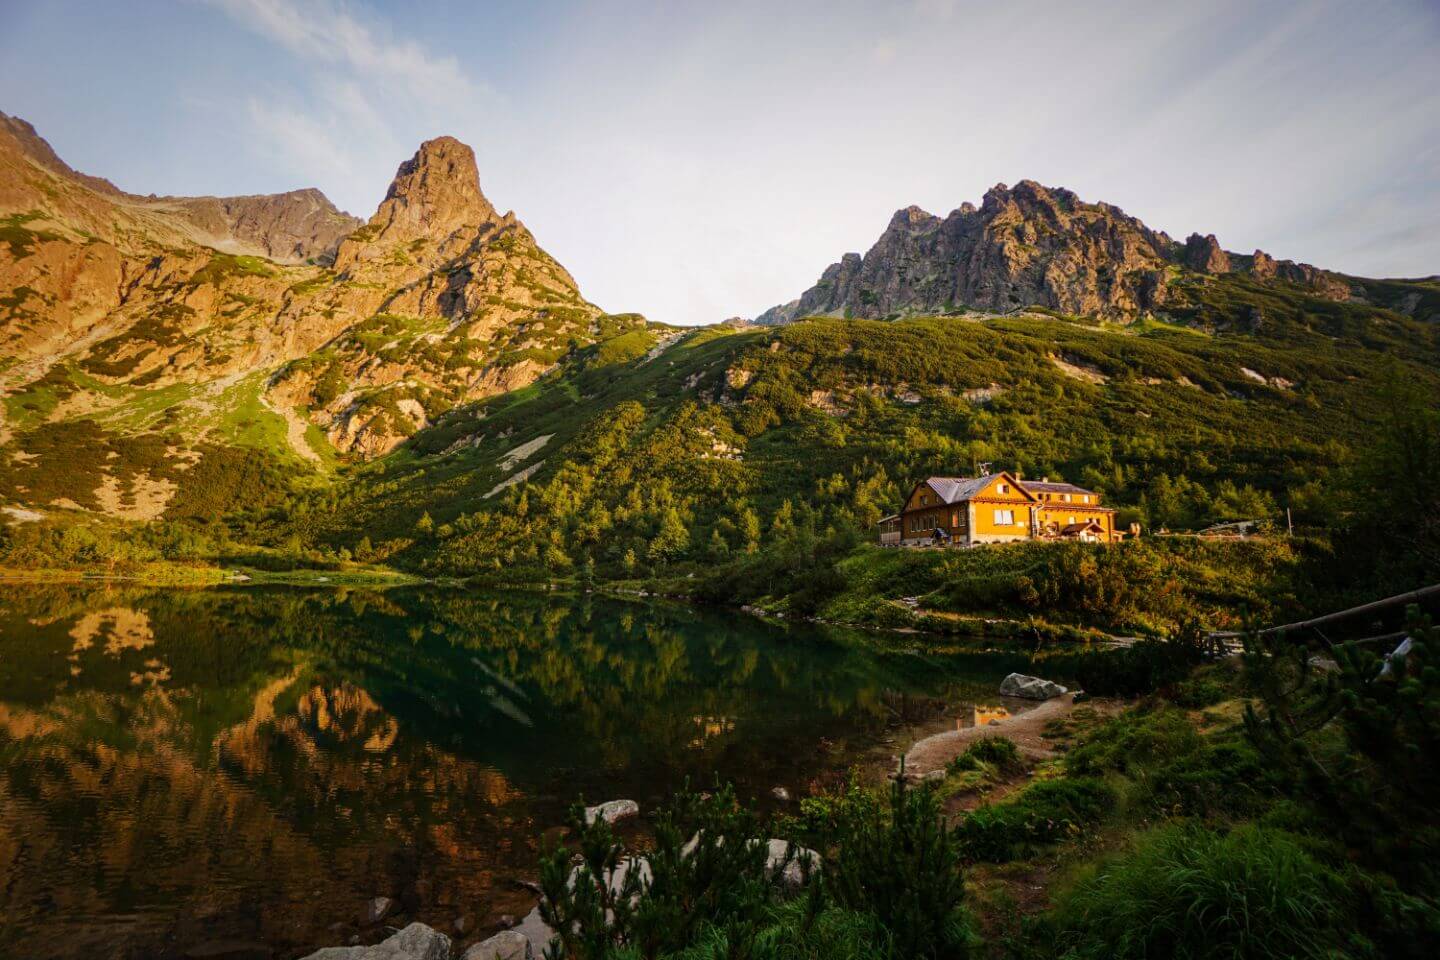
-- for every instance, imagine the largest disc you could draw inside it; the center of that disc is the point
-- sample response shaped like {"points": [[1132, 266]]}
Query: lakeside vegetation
{"points": [[1202, 821]]}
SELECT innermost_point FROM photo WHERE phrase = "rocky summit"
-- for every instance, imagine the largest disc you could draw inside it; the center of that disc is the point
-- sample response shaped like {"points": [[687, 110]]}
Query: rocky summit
{"points": [[1027, 246], [266, 316]]}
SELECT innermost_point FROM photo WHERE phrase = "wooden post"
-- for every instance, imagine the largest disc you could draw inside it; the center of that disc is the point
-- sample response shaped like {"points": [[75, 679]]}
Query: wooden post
{"points": [[1289, 526]]}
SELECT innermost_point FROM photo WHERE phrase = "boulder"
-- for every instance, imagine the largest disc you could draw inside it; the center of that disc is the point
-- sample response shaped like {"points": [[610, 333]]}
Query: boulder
{"points": [[415, 942], [781, 794], [506, 945], [1031, 688], [535, 931], [612, 811], [793, 876]]}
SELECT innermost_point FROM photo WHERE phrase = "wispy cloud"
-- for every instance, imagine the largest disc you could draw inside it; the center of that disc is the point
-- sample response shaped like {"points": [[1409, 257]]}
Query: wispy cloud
{"points": [[330, 32], [365, 98]]}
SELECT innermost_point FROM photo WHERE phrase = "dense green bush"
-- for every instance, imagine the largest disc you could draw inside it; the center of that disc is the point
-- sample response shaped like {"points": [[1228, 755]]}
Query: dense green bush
{"points": [[1047, 811], [1144, 737], [1358, 744], [889, 886], [1226, 777], [995, 752], [902, 866], [1190, 893], [1145, 667]]}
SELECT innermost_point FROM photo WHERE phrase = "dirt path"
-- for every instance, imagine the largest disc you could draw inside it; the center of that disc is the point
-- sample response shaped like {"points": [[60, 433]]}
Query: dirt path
{"points": [[1025, 729]]}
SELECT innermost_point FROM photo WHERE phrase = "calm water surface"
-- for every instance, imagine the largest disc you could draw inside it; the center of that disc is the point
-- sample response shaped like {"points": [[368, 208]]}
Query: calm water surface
{"points": [[183, 767]]}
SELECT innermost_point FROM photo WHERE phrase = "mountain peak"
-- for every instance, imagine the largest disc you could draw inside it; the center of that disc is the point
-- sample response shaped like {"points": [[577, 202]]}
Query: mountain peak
{"points": [[434, 192]]}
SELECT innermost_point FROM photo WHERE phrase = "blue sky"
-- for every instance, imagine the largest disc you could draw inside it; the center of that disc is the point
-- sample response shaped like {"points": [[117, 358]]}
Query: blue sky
{"points": [[695, 161]]}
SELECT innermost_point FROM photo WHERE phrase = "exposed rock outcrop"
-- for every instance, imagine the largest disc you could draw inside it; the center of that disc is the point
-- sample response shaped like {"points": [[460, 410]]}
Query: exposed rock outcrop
{"points": [[1024, 246], [1203, 254], [437, 300]]}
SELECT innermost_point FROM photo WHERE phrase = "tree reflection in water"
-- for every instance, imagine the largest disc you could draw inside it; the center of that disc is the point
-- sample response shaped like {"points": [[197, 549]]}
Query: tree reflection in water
{"points": [[187, 765]]}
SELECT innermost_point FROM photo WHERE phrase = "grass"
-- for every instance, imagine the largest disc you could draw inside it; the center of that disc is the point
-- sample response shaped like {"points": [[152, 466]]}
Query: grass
{"points": [[1190, 892]]}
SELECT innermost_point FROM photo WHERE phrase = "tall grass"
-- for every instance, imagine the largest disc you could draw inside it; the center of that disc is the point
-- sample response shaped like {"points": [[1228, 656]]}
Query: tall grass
{"points": [[1187, 892]]}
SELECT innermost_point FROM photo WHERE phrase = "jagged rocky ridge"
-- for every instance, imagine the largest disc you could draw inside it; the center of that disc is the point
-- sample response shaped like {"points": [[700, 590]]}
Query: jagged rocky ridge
{"points": [[1027, 246], [366, 332]]}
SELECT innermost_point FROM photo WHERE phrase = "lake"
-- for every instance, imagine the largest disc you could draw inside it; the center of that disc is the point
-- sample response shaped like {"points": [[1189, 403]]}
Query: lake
{"points": [[181, 768]]}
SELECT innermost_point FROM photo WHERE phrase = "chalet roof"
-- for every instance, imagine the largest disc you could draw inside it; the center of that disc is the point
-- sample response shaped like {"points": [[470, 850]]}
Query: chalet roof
{"points": [[955, 489], [1045, 486]]}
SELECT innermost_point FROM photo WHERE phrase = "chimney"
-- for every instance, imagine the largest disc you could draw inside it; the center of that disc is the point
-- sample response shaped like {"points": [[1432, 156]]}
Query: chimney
{"points": [[1044, 479]]}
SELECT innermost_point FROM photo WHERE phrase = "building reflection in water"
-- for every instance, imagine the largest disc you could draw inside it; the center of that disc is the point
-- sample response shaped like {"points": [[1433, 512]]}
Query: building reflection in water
{"points": [[983, 715], [710, 727]]}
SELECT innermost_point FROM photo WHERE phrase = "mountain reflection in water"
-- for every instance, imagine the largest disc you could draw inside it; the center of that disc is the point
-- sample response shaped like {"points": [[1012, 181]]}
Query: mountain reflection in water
{"points": [[181, 766]]}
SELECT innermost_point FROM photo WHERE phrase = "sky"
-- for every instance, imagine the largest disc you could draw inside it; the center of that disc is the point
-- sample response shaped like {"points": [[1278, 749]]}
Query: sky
{"points": [[696, 161]]}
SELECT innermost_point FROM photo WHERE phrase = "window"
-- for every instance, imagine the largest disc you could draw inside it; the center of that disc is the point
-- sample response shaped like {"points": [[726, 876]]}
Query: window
{"points": [[1085, 499], [1004, 518], [1003, 488], [924, 499], [1067, 498], [1069, 519]]}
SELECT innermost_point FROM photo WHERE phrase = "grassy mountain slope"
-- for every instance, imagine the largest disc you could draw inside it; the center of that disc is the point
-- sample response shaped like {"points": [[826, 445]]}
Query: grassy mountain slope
{"points": [[727, 442], [149, 371]]}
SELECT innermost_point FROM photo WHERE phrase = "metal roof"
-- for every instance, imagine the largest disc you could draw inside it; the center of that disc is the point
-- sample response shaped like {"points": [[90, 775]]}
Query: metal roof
{"points": [[1045, 486]]}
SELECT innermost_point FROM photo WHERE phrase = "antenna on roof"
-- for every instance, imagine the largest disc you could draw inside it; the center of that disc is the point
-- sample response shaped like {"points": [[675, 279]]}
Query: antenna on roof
{"points": [[984, 468]]}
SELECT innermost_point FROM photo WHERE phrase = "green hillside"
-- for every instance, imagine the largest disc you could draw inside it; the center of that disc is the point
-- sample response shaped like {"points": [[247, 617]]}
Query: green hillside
{"points": [[751, 464], [729, 442]]}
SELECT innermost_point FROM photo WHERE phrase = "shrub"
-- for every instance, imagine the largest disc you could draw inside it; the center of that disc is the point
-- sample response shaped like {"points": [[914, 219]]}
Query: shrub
{"points": [[1191, 893], [717, 877], [1139, 738], [1226, 777], [1358, 744], [902, 866], [1134, 671], [995, 752], [1047, 811], [1199, 692]]}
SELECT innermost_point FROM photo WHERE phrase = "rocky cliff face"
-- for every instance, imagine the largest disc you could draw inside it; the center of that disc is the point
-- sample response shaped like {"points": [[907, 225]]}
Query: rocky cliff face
{"points": [[208, 317], [462, 304], [294, 227], [1024, 246]]}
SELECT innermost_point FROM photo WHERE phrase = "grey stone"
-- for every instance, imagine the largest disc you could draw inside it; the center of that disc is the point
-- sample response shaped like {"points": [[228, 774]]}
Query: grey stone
{"points": [[793, 876], [612, 810], [781, 794], [535, 930], [507, 945], [1031, 688], [415, 942]]}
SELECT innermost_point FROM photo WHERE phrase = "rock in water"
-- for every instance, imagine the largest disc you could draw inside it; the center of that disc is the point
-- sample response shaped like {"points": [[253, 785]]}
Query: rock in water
{"points": [[1031, 688], [415, 942], [612, 811], [508, 945]]}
